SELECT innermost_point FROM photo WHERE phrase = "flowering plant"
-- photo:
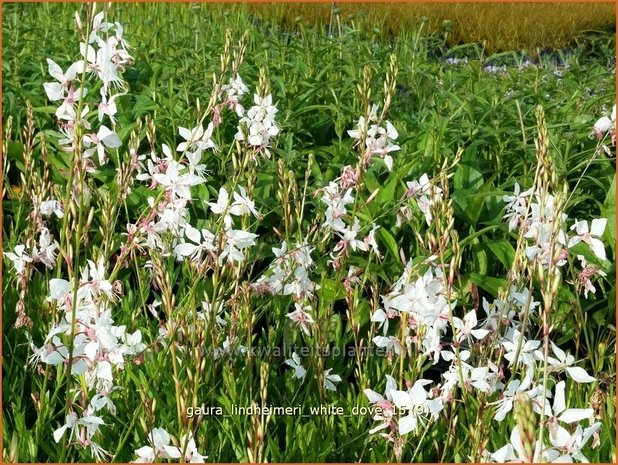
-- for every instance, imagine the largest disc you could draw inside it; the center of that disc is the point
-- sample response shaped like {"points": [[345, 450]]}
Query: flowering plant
{"points": [[423, 284]]}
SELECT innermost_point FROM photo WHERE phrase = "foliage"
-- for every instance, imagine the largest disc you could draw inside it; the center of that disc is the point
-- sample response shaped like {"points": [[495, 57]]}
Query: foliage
{"points": [[468, 120]]}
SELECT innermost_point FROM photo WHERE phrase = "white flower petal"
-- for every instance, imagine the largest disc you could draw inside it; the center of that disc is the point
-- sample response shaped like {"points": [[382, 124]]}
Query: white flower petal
{"points": [[573, 415], [597, 228], [373, 396], [559, 403], [407, 424], [401, 399], [598, 248], [580, 375]]}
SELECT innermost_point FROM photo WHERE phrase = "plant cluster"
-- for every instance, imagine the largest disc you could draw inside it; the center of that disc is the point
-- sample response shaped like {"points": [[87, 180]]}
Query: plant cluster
{"points": [[157, 264]]}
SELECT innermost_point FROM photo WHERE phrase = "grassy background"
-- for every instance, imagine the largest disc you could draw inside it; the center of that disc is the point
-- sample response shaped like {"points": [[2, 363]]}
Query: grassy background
{"points": [[437, 109], [502, 26]]}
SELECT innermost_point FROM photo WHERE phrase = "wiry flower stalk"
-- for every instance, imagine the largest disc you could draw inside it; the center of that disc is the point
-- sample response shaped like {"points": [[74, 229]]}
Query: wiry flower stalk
{"points": [[549, 275], [6, 164], [526, 422]]}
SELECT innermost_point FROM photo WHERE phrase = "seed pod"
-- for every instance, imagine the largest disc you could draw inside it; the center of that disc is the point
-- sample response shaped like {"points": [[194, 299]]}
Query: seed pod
{"points": [[526, 422]]}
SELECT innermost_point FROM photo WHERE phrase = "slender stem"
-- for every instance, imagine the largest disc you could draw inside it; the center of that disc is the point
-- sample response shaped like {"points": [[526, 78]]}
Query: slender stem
{"points": [[73, 310], [77, 168]]}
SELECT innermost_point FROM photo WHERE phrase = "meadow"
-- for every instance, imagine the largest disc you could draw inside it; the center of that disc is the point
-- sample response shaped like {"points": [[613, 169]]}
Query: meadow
{"points": [[499, 27], [229, 237]]}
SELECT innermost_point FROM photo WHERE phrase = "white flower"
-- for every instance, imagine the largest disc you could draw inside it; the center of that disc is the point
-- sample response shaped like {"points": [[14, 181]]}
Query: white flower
{"points": [[571, 445], [513, 389], [19, 258], [90, 424], [420, 187], [196, 138], [107, 106], [235, 89], [330, 380], [388, 343], [53, 351], [302, 317], [100, 63], [516, 206], [560, 411], [384, 404], [605, 124], [381, 317], [466, 327], [348, 238], [579, 375], [235, 241], [195, 166], [301, 285], [191, 455], [171, 218], [70, 424], [370, 240], [414, 298], [415, 401], [93, 282], [362, 124], [263, 111], [100, 401], [160, 440], [46, 252], [426, 194], [49, 207], [242, 205], [380, 142], [220, 207], [294, 362], [59, 290], [514, 451], [260, 124], [288, 273], [222, 202], [336, 202], [98, 25], [477, 377], [591, 237], [177, 184], [102, 139], [563, 361], [514, 340], [200, 241], [588, 271], [55, 90]]}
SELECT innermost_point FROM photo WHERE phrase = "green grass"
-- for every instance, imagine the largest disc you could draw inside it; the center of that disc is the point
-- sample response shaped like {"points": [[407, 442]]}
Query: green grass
{"points": [[440, 110]]}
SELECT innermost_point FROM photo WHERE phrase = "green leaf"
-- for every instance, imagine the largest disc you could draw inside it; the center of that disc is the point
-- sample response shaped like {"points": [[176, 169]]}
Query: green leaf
{"points": [[468, 174], [387, 194], [330, 290], [609, 211], [488, 283], [504, 251], [390, 243]]}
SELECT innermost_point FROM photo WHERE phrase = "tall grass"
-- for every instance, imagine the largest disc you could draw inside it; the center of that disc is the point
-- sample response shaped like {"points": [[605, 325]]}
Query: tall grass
{"points": [[470, 128], [500, 26]]}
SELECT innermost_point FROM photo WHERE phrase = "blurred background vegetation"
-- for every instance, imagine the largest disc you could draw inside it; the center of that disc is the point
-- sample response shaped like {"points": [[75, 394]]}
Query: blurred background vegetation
{"points": [[500, 26], [463, 84]]}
